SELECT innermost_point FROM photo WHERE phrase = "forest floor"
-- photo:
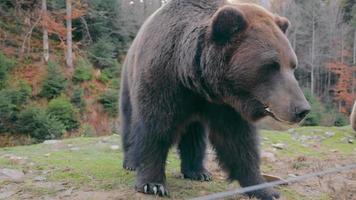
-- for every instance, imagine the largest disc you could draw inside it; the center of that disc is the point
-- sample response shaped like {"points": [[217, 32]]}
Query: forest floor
{"points": [[91, 168]]}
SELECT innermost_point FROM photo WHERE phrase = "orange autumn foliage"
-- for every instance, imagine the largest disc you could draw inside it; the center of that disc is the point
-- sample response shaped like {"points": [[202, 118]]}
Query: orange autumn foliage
{"points": [[342, 92]]}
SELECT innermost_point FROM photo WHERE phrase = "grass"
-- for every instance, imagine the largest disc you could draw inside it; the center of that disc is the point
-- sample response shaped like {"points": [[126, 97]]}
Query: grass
{"points": [[90, 163]]}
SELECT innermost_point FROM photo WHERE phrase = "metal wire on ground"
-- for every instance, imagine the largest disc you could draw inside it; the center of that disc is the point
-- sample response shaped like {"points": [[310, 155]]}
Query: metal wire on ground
{"points": [[231, 193]]}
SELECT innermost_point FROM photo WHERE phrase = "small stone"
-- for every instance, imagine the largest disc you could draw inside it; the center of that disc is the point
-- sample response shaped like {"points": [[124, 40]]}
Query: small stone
{"points": [[47, 154], [292, 175], [114, 147], [74, 149], [334, 150], [279, 146], [12, 175], [350, 141], [291, 130], [329, 134], [40, 178], [51, 141], [268, 157], [17, 160], [7, 194], [67, 193]]}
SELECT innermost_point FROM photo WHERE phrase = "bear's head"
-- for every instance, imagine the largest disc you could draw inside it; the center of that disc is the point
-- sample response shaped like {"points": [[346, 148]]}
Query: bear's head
{"points": [[250, 64]]}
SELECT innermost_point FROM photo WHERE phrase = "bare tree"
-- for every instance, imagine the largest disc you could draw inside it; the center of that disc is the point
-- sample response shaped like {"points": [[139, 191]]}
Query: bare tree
{"points": [[45, 32], [69, 55]]}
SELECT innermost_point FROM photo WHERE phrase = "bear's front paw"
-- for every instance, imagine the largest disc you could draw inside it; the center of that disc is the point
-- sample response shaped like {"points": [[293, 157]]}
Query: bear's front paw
{"points": [[265, 194], [198, 176], [128, 166], [153, 188]]}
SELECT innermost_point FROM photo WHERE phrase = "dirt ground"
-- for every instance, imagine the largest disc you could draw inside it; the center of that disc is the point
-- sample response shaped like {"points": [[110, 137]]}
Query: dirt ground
{"points": [[90, 168]]}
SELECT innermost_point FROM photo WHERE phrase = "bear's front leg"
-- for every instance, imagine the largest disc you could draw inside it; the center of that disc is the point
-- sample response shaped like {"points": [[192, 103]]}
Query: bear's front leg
{"points": [[236, 144], [151, 150]]}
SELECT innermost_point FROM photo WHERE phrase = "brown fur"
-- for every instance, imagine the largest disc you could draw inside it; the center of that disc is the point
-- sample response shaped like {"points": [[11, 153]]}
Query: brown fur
{"points": [[353, 117], [199, 67]]}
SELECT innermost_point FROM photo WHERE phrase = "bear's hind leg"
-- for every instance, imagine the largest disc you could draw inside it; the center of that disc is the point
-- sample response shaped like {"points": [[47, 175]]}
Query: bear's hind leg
{"points": [[127, 137], [236, 144], [192, 148]]}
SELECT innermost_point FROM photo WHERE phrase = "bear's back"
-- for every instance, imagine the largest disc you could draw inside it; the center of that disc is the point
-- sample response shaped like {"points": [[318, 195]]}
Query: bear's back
{"points": [[157, 45]]}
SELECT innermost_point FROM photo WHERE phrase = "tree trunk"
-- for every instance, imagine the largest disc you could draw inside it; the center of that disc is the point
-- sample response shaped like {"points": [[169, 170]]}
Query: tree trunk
{"points": [[312, 81], [45, 32], [144, 10], [342, 44], [69, 55], [354, 63]]}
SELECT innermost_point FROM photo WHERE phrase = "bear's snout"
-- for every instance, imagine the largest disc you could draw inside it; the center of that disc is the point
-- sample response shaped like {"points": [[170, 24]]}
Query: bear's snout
{"points": [[301, 112]]}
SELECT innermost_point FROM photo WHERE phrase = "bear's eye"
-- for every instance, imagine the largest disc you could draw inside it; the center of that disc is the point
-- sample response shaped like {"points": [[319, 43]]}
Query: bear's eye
{"points": [[273, 66]]}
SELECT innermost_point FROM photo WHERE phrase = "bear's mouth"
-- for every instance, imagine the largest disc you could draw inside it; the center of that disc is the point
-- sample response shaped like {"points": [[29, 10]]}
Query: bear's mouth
{"points": [[270, 113]]}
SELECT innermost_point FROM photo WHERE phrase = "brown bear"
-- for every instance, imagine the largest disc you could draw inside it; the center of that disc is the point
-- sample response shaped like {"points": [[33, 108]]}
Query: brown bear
{"points": [[202, 69], [353, 117]]}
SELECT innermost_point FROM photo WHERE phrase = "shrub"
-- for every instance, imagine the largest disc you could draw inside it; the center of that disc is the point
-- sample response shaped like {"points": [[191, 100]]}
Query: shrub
{"points": [[64, 111], [6, 64], [83, 71], [109, 100], [340, 120], [115, 83], [102, 53], [112, 71], [77, 99], [39, 125], [54, 84], [87, 130], [103, 78], [8, 114], [314, 117], [11, 102]]}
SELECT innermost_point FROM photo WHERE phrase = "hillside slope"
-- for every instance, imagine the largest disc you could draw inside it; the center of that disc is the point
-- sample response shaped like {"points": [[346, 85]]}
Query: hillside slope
{"points": [[90, 168]]}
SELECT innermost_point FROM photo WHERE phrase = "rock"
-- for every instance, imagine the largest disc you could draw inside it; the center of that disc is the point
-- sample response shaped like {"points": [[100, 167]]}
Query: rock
{"points": [[16, 160], [7, 194], [291, 130], [47, 154], [279, 145], [12, 175], [51, 141], [329, 134], [74, 149], [350, 141], [40, 178], [305, 138], [67, 193], [268, 157], [114, 147], [292, 175]]}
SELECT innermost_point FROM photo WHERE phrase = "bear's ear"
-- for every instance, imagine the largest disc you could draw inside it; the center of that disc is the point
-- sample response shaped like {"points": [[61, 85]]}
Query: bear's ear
{"points": [[225, 23], [283, 23]]}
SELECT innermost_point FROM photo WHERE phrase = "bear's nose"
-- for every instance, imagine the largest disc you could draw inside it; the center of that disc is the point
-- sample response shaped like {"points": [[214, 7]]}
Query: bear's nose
{"points": [[301, 112]]}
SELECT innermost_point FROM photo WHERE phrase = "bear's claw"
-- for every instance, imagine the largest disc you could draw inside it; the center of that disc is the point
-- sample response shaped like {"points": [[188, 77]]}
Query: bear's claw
{"points": [[266, 194], [128, 167], [198, 176], [154, 188]]}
